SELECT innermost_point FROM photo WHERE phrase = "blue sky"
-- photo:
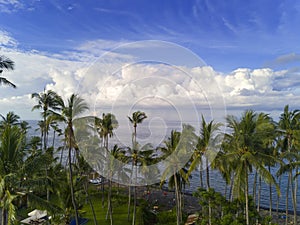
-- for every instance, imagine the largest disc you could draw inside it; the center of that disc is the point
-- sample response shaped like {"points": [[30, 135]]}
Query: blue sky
{"points": [[228, 35]]}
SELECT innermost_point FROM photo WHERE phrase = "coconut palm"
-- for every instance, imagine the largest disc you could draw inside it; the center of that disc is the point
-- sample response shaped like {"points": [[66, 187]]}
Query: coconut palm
{"points": [[7, 64], [9, 120], [245, 153], [178, 174], [11, 160], [137, 117], [175, 150], [105, 127], [203, 148], [71, 111], [289, 131], [49, 102]]}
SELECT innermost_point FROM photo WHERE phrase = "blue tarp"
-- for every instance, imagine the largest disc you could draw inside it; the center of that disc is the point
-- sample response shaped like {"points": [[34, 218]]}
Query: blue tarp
{"points": [[81, 221]]}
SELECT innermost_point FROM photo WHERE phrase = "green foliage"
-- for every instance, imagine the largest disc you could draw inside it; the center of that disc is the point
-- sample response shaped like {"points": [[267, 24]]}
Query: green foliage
{"points": [[224, 212], [166, 217]]}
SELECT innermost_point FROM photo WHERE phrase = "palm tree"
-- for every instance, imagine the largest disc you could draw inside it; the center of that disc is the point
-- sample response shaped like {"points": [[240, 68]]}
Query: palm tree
{"points": [[245, 153], [205, 140], [11, 160], [105, 127], [49, 102], [176, 148], [178, 174], [70, 113], [289, 130], [9, 120], [6, 63], [137, 117]]}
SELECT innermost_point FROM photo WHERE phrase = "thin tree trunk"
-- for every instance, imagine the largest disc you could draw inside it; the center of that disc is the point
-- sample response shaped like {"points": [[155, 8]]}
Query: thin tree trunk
{"points": [[207, 189], [134, 206], [53, 140], [129, 194], [270, 190], [231, 189], [254, 187], [246, 198], [72, 187], [201, 176], [47, 188], [129, 202], [294, 197], [134, 196], [277, 202], [178, 219], [259, 194], [287, 200], [207, 175], [102, 189], [3, 219], [61, 154], [109, 203], [90, 202], [225, 190]]}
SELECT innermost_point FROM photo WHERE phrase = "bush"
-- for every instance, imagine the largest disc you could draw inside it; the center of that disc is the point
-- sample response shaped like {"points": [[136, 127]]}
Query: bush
{"points": [[166, 217], [224, 212]]}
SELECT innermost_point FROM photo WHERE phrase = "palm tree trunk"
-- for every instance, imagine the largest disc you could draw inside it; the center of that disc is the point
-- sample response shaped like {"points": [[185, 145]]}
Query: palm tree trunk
{"points": [[134, 197], [47, 188], [90, 202], [254, 187], [4, 214], [287, 199], [129, 194], [246, 197], [178, 219], [294, 197], [259, 194], [207, 175], [277, 201], [207, 189], [231, 188], [129, 202], [71, 182], [270, 190], [134, 206], [102, 189], [181, 198], [109, 203], [201, 176], [53, 140]]}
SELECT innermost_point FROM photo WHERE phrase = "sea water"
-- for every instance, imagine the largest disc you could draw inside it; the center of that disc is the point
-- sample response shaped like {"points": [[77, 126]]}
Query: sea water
{"points": [[156, 132]]}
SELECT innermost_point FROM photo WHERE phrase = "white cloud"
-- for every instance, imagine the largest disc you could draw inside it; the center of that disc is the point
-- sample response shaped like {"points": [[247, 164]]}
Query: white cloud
{"points": [[9, 6], [7, 40], [115, 79]]}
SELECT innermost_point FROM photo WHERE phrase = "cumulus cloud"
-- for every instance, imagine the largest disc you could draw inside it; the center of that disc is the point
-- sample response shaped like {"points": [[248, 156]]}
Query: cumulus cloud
{"points": [[121, 79]]}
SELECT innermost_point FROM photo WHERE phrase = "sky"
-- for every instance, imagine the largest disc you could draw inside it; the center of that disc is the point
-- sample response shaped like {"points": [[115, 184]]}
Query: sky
{"points": [[174, 59]]}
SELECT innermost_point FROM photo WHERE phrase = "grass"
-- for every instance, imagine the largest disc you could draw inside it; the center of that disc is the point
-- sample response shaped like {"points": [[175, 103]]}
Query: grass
{"points": [[119, 203]]}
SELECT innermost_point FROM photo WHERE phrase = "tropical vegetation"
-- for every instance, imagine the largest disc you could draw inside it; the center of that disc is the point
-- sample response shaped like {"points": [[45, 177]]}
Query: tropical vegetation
{"points": [[49, 172]]}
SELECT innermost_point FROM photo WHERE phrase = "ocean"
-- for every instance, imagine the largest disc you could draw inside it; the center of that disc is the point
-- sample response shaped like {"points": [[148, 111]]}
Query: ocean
{"points": [[155, 132]]}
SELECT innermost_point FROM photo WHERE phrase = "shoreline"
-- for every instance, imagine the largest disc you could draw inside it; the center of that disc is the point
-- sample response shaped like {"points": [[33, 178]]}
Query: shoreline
{"points": [[164, 199]]}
